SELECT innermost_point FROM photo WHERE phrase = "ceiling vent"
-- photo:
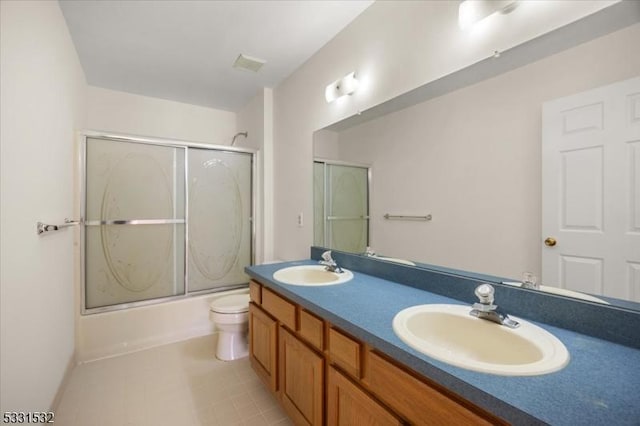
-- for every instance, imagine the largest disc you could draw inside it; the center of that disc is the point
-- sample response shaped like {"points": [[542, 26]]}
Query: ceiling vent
{"points": [[248, 63]]}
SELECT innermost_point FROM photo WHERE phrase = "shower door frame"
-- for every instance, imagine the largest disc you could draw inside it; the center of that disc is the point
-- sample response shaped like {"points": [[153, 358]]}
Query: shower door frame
{"points": [[325, 216], [170, 143]]}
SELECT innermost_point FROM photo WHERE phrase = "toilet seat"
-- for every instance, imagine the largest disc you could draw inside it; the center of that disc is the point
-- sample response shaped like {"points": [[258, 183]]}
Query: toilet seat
{"points": [[232, 304]]}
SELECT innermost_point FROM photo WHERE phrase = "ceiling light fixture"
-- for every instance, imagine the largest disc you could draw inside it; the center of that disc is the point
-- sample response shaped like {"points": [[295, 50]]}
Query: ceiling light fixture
{"points": [[341, 87], [473, 11], [248, 63]]}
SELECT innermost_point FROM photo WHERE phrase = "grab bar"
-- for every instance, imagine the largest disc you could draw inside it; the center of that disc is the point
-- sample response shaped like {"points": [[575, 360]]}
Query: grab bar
{"points": [[347, 217], [42, 228], [406, 217], [134, 222]]}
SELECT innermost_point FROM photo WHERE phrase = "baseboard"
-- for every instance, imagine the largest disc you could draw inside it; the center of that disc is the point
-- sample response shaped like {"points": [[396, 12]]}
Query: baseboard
{"points": [[141, 345], [71, 365]]}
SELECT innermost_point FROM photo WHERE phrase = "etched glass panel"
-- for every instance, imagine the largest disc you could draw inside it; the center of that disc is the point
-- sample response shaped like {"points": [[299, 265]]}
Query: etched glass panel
{"points": [[129, 183], [348, 206], [318, 204], [219, 218], [131, 263], [127, 180]]}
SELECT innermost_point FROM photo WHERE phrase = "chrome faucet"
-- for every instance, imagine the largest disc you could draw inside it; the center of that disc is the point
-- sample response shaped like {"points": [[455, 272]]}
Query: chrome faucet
{"points": [[529, 281], [486, 310], [329, 263], [369, 252]]}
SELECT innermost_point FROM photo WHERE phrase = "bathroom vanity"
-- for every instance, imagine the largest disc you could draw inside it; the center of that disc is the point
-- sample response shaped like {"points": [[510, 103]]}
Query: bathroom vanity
{"points": [[301, 357], [330, 356]]}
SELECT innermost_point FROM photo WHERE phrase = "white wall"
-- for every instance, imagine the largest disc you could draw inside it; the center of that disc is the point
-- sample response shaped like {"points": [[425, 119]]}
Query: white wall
{"points": [[256, 118], [326, 145], [394, 47], [123, 112], [472, 158], [42, 104]]}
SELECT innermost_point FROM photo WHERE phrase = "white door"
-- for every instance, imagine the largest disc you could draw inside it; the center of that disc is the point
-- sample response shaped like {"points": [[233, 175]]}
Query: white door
{"points": [[591, 191]]}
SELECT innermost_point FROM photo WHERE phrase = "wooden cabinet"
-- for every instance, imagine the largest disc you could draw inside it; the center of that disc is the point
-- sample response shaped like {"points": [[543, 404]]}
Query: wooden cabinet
{"points": [[311, 328], [345, 352], [292, 350], [255, 292], [281, 309], [348, 405], [301, 380], [263, 346], [420, 403]]}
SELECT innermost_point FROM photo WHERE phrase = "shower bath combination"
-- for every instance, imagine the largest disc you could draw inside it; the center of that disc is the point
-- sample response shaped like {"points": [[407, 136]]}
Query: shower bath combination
{"points": [[163, 220]]}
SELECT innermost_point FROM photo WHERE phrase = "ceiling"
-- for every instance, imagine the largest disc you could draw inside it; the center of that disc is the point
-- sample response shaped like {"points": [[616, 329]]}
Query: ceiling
{"points": [[184, 50]]}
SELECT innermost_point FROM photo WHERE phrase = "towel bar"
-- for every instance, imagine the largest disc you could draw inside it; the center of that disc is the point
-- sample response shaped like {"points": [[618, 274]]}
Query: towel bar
{"points": [[406, 217], [42, 228]]}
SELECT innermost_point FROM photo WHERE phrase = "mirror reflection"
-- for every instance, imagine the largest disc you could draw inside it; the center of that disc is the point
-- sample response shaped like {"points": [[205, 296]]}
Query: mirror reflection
{"points": [[504, 164], [341, 206]]}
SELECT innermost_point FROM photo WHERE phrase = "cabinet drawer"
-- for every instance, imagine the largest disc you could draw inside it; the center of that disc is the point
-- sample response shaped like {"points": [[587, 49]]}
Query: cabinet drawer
{"points": [[348, 405], [280, 308], [255, 292], [345, 352], [419, 402], [311, 329]]}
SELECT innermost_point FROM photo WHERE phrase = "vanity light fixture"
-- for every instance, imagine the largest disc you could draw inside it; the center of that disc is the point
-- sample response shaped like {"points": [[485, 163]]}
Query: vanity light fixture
{"points": [[341, 87], [472, 11]]}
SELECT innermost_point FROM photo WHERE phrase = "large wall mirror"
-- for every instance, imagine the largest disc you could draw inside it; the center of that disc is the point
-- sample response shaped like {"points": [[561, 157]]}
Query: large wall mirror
{"points": [[466, 151]]}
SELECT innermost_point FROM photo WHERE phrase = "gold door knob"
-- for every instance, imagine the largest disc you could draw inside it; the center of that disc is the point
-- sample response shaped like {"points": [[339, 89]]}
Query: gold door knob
{"points": [[550, 242]]}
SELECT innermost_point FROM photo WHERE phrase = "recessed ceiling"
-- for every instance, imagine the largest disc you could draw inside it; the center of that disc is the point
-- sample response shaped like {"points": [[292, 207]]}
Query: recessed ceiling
{"points": [[185, 50]]}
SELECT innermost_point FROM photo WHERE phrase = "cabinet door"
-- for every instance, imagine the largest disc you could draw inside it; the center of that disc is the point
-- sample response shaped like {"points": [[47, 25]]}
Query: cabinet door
{"points": [[418, 402], [301, 380], [263, 345], [348, 405]]}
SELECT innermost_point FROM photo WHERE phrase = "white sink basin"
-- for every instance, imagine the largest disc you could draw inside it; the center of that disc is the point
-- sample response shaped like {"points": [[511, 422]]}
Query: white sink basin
{"points": [[571, 293], [449, 334], [562, 292], [394, 260], [311, 275]]}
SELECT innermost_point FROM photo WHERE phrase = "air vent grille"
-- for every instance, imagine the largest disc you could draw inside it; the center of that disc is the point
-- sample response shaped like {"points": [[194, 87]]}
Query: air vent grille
{"points": [[248, 63]]}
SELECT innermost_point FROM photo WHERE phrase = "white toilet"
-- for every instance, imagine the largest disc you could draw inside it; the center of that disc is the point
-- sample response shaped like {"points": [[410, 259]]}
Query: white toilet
{"points": [[230, 315]]}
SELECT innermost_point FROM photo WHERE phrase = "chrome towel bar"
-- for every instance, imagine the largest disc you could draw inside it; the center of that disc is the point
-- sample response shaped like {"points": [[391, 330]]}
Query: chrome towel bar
{"points": [[42, 228], [406, 217]]}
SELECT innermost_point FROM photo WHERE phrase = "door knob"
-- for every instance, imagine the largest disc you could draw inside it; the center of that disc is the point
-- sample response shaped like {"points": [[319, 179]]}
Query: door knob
{"points": [[550, 242]]}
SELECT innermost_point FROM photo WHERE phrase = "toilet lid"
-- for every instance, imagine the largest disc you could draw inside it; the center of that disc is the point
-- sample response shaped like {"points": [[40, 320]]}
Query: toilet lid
{"points": [[231, 304]]}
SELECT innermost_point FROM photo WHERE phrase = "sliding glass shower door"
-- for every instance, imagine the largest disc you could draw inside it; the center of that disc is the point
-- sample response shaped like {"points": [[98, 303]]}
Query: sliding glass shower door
{"points": [[341, 206], [219, 218], [163, 221]]}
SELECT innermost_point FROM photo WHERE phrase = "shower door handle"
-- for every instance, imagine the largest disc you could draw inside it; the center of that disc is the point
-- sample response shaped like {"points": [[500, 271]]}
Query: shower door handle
{"points": [[134, 222]]}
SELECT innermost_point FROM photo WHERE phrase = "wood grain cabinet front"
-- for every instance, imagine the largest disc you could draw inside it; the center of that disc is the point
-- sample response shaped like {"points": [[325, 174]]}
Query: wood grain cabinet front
{"points": [[301, 380], [345, 352], [348, 405], [418, 402], [323, 376], [255, 292], [281, 309], [263, 346], [311, 328]]}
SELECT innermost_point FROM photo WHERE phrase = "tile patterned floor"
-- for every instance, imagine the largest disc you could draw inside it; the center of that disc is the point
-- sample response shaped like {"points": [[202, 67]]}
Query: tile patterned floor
{"points": [[181, 384]]}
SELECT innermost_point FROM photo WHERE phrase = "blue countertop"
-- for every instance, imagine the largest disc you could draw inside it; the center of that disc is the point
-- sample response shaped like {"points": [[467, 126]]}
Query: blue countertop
{"points": [[600, 385]]}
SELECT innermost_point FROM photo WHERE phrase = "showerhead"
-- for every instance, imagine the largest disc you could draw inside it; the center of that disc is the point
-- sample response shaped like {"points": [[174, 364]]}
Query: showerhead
{"points": [[245, 134]]}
